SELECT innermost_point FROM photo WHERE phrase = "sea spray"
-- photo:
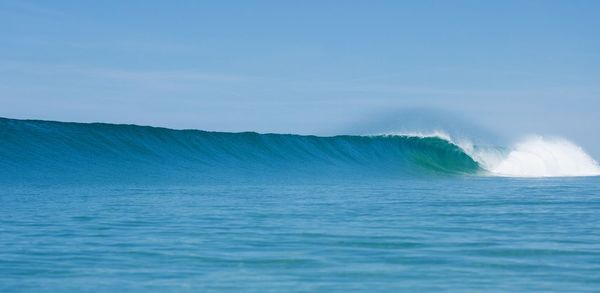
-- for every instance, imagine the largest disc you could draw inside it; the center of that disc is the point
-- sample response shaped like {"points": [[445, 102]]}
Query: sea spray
{"points": [[534, 156], [537, 156]]}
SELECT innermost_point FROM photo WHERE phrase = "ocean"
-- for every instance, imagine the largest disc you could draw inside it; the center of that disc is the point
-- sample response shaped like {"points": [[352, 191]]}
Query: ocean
{"points": [[104, 207]]}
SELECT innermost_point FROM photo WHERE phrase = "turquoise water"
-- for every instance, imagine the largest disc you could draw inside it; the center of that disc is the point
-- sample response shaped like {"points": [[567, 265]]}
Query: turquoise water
{"points": [[92, 153], [458, 234], [137, 210]]}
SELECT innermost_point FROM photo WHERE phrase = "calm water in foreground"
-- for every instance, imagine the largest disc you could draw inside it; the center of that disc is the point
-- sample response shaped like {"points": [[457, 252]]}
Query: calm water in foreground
{"points": [[434, 234]]}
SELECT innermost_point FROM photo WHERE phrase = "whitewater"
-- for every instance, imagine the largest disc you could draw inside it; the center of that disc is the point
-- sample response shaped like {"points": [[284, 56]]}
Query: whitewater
{"points": [[533, 156]]}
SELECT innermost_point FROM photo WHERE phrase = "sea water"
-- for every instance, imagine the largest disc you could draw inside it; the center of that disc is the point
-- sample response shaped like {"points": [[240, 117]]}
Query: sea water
{"points": [[110, 208]]}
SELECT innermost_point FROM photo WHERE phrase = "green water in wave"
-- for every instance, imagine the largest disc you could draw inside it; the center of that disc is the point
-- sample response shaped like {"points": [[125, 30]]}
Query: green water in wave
{"points": [[43, 149]]}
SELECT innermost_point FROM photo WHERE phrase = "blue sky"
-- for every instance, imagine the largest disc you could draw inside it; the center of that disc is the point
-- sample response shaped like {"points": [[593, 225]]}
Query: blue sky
{"points": [[514, 67]]}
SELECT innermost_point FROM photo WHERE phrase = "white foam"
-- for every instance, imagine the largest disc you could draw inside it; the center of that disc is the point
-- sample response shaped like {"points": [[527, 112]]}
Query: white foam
{"points": [[541, 157], [535, 156]]}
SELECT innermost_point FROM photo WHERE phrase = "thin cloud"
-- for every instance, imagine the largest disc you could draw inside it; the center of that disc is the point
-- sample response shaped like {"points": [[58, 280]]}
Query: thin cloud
{"points": [[182, 75], [30, 9]]}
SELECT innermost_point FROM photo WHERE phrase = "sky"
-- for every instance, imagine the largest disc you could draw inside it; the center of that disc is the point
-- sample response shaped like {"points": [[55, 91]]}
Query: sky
{"points": [[308, 67]]}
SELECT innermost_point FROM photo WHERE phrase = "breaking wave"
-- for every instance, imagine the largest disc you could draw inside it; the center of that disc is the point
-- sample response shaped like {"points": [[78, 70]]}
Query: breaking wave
{"points": [[37, 150], [534, 156]]}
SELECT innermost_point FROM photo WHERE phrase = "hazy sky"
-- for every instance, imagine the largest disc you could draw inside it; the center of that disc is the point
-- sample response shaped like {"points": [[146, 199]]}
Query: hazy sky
{"points": [[515, 67]]}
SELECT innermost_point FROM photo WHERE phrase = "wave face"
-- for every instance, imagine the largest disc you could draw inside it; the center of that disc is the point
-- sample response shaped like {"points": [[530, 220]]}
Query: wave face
{"points": [[33, 150]]}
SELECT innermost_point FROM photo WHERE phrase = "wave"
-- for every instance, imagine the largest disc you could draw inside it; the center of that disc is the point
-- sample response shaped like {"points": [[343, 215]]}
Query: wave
{"points": [[33, 150]]}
